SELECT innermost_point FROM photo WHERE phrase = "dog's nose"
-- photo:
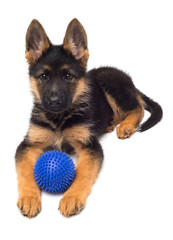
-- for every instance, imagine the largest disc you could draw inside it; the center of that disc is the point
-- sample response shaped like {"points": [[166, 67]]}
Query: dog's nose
{"points": [[55, 99]]}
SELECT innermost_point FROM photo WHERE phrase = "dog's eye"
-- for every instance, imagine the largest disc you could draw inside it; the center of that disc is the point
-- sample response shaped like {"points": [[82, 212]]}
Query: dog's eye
{"points": [[44, 77], [67, 76]]}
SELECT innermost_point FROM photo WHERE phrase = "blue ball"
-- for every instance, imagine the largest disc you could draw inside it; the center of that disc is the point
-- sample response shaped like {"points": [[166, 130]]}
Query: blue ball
{"points": [[54, 171]]}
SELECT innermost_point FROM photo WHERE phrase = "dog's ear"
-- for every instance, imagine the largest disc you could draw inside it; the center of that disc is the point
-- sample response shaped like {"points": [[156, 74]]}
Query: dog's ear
{"points": [[36, 42], [75, 42]]}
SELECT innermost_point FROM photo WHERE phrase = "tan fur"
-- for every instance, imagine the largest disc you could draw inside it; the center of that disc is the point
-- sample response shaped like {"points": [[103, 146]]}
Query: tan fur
{"points": [[83, 56], [79, 133], [80, 89], [47, 67], [86, 173], [65, 66], [29, 201], [131, 122], [119, 115], [31, 54], [37, 134], [84, 59], [34, 89], [44, 68], [81, 53], [45, 137]]}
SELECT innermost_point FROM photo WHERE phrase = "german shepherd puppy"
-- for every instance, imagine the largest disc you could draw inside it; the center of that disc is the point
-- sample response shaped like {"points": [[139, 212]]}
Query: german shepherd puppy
{"points": [[72, 108]]}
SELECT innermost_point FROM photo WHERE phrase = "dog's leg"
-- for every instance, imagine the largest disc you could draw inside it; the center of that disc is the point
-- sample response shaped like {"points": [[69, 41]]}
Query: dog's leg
{"points": [[37, 139], [131, 122], [89, 164], [111, 127], [29, 201]]}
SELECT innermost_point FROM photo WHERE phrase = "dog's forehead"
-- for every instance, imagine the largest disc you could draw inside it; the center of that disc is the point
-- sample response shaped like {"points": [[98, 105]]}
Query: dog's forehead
{"points": [[55, 56], [56, 59]]}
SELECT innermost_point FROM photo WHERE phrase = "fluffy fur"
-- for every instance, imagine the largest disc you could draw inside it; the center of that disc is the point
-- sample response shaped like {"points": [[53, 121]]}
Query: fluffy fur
{"points": [[72, 108]]}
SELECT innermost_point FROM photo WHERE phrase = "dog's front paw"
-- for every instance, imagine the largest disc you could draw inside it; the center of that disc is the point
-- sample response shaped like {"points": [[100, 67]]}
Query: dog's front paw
{"points": [[29, 206], [72, 204], [125, 131]]}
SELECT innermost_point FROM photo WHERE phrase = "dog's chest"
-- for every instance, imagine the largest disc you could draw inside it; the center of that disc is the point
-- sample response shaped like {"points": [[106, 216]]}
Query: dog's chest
{"points": [[57, 140]]}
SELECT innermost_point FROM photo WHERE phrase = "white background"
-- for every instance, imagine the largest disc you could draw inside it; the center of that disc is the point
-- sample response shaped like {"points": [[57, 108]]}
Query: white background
{"points": [[133, 197]]}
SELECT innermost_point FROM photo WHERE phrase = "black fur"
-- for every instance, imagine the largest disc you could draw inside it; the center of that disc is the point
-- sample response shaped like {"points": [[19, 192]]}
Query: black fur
{"points": [[120, 86], [156, 113], [72, 108], [22, 148]]}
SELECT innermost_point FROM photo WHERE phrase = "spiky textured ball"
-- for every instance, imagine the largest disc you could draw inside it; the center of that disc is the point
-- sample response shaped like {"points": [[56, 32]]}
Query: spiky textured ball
{"points": [[54, 171]]}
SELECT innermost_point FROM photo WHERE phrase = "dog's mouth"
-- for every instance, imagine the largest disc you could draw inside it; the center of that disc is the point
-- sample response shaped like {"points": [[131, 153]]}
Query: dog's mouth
{"points": [[55, 110], [56, 107]]}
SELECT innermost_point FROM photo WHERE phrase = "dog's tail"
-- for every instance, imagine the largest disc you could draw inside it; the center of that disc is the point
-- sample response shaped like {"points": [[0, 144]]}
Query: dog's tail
{"points": [[155, 110]]}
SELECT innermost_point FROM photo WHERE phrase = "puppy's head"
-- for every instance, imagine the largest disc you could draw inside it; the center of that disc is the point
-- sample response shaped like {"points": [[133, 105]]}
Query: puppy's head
{"points": [[57, 72]]}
